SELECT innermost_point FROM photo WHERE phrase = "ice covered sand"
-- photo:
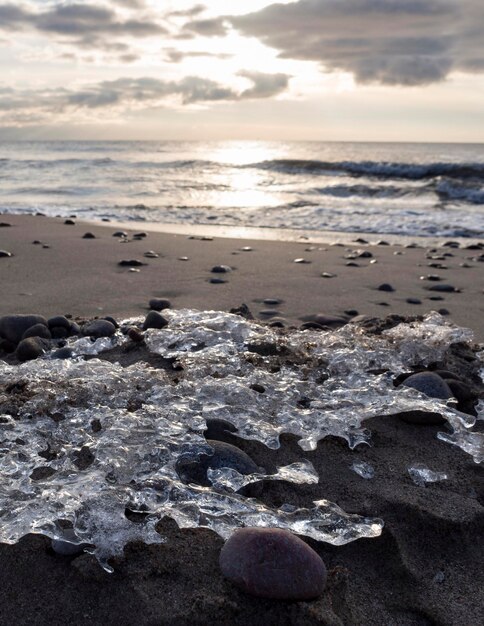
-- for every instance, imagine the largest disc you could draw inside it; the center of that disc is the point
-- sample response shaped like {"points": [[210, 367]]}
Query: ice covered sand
{"points": [[311, 390]]}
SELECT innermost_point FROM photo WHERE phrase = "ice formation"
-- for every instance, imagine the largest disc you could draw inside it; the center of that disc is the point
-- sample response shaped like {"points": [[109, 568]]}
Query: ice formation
{"points": [[421, 475], [365, 470], [91, 438]]}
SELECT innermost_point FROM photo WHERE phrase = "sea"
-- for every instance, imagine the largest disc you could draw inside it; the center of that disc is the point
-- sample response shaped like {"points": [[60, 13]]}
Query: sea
{"points": [[407, 189]]}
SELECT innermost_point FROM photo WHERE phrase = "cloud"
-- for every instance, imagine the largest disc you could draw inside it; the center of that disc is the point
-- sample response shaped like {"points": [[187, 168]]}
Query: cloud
{"points": [[265, 85], [176, 56], [393, 42], [194, 10], [23, 107], [214, 27], [79, 20]]}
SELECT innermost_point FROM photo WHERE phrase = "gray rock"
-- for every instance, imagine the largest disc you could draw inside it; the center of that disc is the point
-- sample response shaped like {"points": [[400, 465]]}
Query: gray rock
{"points": [[221, 269], [120, 233], [192, 470], [442, 288], [385, 287], [5, 254], [63, 353], [413, 301], [273, 563], [158, 304], [131, 263], [69, 222], [154, 320], [38, 330], [59, 321], [31, 348], [430, 384], [12, 327], [333, 321], [98, 328], [89, 236]]}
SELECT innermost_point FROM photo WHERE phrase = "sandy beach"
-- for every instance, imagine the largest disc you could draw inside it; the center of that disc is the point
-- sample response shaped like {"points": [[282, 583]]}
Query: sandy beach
{"points": [[425, 568]]}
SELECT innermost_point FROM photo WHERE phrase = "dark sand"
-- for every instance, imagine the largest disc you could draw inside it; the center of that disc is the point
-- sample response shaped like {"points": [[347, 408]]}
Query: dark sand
{"points": [[82, 277], [425, 569]]}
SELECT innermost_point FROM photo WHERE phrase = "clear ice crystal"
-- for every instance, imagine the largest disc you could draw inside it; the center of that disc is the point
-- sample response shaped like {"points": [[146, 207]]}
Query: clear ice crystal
{"points": [[363, 469], [315, 385], [421, 475]]}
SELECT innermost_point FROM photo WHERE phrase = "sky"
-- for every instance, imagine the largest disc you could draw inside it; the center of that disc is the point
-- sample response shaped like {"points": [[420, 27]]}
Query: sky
{"points": [[328, 70]]}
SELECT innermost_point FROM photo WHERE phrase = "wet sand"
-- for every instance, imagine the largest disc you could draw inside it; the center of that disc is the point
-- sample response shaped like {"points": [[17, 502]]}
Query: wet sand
{"points": [[82, 276], [425, 569]]}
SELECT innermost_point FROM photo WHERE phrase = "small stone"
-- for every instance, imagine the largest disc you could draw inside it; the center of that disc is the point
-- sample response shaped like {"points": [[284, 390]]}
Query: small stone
{"points": [[31, 348], [36, 242], [269, 313], [443, 312], [217, 281], [430, 384], [154, 320], [63, 353], [151, 254], [328, 275], [333, 321], [98, 328], [134, 270], [219, 430], [96, 425], [272, 302], [140, 235], [158, 304], [135, 335], [303, 261], [4, 254], [192, 470], [5, 225], [89, 236], [69, 222], [59, 321], [431, 277], [12, 327], [120, 233], [351, 312], [352, 264], [45, 246], [442, 288], [38, 330], [246, 249], [436, 298], [183, 258], [131, 263], [385, 287], [221, 269], [413, 301], [273, 563], [382, 242]]}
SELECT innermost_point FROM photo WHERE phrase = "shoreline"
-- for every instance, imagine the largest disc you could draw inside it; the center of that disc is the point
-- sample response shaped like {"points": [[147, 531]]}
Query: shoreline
{"points": [[83, 276]]}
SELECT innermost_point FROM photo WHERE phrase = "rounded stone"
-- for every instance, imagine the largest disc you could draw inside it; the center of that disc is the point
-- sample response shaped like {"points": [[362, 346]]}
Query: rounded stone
{"points": [[385, 287], [131, 263], [98, 328], [69, 222], [430, 384], [154, 320], [5, 254], [63, 353], [13, 327], [224, 454], [221, 269], [273, 563], [333, 321], [158, 304], [38, 330], [120, 233], [59, 321], [30, 348], [89, 236]]}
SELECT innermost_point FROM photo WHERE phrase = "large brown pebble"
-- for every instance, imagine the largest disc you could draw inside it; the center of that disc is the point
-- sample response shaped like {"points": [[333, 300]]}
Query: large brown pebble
{"points": [[12, 327], [273, 563], [31, 348], [38, 330]]}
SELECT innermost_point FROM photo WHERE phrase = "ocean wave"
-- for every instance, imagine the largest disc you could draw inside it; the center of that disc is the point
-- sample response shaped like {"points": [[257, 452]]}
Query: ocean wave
{"points": [[377, 169], [446, 191]]}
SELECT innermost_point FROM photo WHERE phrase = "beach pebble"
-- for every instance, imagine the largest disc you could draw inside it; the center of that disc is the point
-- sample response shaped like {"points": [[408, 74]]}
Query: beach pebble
{"points": [[431, 277], [36, 242], [430, 384], [311, 326], [131, 263], [217, 281], [4, 254], [269, 313], [12, 327], [301, 261], [443, 312], [120, 233], [62, 353], [385, 287], [352, 264], [328, 275], [442, 288], [151, 254], [154, 320], [135, 335], [219, 430], [98, 328], [89, 236], [183, 258], [333, 321], [59, 321], [221, 269], [272, 302], [224, 454], [38, 330], [277, 322], [273, 563], [5, 225], [31, 348], [69, 222], [158, 304], [140, 235], [413, 301]]}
